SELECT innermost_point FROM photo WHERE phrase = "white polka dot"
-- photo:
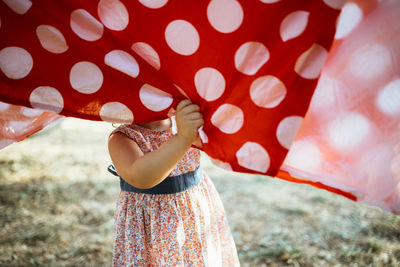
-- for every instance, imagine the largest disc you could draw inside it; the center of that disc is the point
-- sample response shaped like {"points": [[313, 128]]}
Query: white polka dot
{"points": [[147, 52], [267, 91], [5, 142], [325, 94], [254, 157], [370, 61], [51, 39], [221, 164], [116, 112], [171, 115], [250, 57], [349, 18], [348, 131], [113, 14], [336, 4], [388, 99], [228, 118], [373, 165], [154, 98], [310, 63], [47, 98], [269, 1], [30, 112], [395, 166], [15, 62], [203, 136], [181, 91], [19, 6], [294, 24], [85, 25], [287, 130], [122, 61], [86, 77], [18, 128], [304, 155], [182, 37], [153, 3], [210, 84], [225, 16], [4, 106]]}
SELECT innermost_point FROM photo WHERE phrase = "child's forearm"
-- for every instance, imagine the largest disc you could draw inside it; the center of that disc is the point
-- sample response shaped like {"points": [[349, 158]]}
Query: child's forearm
{"points": [[152, 168]]}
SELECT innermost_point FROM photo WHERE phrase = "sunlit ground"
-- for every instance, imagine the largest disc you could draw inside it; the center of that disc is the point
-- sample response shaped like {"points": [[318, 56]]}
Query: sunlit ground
{"points": [[57, 201]]}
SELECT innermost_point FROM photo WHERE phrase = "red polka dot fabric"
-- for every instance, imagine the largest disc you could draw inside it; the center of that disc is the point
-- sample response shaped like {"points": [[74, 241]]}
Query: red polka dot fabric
{"points": [[249, 65], [252, 66]]}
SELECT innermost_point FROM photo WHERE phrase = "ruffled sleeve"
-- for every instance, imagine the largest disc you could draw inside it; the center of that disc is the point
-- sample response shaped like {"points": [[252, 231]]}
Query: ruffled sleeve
{"points": [[136, 136]]}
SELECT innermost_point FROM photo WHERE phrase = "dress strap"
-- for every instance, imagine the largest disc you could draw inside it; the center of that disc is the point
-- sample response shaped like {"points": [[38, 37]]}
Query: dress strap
{"points": [[170, 185]]}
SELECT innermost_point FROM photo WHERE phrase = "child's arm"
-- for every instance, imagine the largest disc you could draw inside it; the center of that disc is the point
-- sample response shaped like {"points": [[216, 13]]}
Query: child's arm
{"points": [[146, 171]]}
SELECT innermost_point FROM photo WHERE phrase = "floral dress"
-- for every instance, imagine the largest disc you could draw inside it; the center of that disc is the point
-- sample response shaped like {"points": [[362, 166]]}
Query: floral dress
{"points": [[188, 228]]}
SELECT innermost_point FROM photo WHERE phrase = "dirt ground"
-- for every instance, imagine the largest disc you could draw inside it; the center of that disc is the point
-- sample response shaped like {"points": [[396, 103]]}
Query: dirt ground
{"points": [[57, 201]]}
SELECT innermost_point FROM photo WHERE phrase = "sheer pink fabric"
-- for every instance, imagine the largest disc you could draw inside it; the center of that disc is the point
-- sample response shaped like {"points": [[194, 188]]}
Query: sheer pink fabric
{"points": [[17, 122], [350, 137]]}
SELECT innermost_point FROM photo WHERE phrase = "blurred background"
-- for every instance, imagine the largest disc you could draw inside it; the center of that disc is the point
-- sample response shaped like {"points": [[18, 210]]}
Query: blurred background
{"points": [[57, 201]]}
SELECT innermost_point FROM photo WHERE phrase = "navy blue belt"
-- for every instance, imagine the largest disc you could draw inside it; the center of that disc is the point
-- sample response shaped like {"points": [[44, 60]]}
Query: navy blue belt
{"points": [[170, 185]]}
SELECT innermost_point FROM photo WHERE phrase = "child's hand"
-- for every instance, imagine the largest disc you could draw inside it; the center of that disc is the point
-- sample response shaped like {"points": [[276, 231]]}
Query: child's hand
{"points": [[188, 120]]}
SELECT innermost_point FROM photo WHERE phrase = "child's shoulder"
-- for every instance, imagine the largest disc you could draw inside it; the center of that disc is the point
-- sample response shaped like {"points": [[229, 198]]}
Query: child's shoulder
{"points": [[127, 129], [136, 134]]}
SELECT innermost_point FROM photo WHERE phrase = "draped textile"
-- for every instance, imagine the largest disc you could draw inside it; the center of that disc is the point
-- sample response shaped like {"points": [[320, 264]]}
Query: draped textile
{"points": [[350, 137], [252, 66]]}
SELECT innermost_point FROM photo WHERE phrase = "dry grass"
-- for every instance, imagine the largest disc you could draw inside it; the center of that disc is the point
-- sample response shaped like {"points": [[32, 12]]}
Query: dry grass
{"points": [[57, 201]]}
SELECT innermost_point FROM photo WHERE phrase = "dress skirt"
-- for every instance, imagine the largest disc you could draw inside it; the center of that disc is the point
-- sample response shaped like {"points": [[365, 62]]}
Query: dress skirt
{"points": [[182, 229]]}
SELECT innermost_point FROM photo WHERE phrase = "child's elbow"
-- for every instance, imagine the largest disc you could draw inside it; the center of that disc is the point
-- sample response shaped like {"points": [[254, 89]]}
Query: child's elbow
{"points": [[137, 183]]}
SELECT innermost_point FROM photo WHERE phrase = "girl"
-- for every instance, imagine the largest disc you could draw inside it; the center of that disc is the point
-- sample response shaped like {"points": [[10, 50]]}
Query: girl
{"points": [[168, 212]]}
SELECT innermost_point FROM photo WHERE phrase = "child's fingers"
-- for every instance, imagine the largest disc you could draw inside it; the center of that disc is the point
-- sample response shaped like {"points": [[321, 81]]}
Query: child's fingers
{"points": [[198, 122], [194, 116], [190, 109], [183, 104]]}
